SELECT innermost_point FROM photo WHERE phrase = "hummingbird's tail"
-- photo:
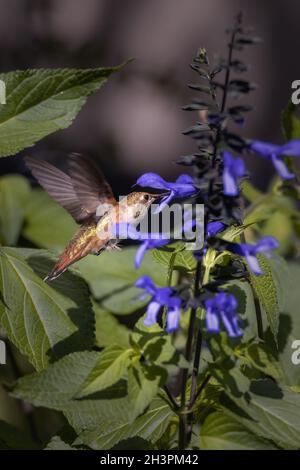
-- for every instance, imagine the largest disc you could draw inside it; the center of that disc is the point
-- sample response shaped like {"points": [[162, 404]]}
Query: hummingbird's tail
{"points": [[61, 266]]}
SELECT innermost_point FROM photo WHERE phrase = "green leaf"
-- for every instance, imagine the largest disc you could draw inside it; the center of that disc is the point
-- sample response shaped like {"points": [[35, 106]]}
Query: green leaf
{"points": [[108, 370], [290, 124], [42, 101], [57, 386], [43, 322], [221, 432], [14, 192], [109, 330], [56, 443], [112, 275], [150, 426], [184, 260], [40, 213], [268, 412], [267, 292], [143, 385]]}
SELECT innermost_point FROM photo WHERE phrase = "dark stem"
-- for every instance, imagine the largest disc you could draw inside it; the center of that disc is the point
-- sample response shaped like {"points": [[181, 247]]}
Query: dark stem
{"points": [[183, 424], [171, 398]]}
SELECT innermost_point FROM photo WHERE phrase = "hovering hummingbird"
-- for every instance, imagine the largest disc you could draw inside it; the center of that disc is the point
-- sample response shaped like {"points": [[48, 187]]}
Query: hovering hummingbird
{"points": [[88, 197]]}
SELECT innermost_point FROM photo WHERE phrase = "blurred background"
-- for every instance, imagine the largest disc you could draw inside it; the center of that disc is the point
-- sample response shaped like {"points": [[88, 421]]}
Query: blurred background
{"points": [[134, 123]]}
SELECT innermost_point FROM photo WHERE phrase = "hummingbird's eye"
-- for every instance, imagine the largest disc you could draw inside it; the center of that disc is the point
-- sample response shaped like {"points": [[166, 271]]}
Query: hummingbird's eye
{"points": [[146, 197]]}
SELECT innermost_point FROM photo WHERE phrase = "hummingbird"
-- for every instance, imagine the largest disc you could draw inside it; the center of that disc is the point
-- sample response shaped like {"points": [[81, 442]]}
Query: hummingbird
{"points": [[86, 195]]}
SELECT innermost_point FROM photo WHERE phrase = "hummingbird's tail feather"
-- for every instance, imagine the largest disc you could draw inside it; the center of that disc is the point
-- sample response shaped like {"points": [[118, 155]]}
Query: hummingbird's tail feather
{"points": [[64, 262]]}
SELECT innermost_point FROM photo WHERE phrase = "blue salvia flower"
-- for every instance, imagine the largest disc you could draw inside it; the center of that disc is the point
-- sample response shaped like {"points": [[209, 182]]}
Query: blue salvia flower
{"points": [[264, 245], [234, 168], [222, 309], [274, 153], [184, 186], [215, 227], [160, 297]]}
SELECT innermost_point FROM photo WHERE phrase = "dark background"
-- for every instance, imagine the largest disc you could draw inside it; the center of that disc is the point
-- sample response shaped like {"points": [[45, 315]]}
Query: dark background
{"points": [[134, 123]]}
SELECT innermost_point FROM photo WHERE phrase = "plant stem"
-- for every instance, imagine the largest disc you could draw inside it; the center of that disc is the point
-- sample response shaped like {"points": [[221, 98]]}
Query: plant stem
{"points": [[183, 424]]}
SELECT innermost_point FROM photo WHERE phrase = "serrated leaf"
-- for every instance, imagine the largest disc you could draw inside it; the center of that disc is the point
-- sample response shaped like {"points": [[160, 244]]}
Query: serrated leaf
{"points": [[220, 432], [42, 101], [57, 386], [14, 193], [108, 370], [269, 412], [267, 291], [150, 426], [112, 276], [56, 443], [43, 322]]}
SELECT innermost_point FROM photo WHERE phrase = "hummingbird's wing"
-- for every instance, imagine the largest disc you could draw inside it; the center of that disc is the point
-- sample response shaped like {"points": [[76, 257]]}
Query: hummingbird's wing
{"points": [[59, 186], [89, 184]]}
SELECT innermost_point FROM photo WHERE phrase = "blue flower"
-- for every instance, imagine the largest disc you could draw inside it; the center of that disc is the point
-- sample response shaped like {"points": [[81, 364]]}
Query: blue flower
{"points": [[222, 308], [160, 297], [234, 168], [276, 152], [250, 251], [215, 227], [184, 186]]}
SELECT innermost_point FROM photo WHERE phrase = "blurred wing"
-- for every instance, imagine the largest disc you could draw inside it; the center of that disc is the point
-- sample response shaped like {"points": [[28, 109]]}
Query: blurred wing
{"points": [[59, 186], [89, 184]]}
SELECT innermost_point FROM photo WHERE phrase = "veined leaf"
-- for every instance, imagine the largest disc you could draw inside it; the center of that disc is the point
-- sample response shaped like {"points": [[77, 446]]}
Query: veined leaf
{"points": [[57, 386], [42, 321], [56, 443], [143, 385], [42, 101], [108, 370], [267, 292], [269, 412], [221, 432], [150, 426], [14, 192]]}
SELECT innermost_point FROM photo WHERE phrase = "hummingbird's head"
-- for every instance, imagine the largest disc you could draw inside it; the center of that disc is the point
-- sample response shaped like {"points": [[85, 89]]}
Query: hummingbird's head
{"points": [[138, 204]]}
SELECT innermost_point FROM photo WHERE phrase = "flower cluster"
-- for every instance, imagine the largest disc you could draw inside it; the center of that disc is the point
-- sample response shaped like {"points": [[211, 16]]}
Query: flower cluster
{"points": [[218, 169]]}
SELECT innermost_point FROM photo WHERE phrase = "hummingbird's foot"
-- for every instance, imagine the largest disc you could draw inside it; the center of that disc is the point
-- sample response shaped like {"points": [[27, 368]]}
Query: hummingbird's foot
{"points": [[113, 245]]}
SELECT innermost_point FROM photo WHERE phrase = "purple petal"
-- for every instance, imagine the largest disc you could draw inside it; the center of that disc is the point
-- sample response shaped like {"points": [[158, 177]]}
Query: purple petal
{"points": [[185, 179], [173, 316], [253, 264], [139, 255], [266, 244], [213, 228], [212, 321], [291, 148], [230, 186], [264, 148], [145, 282], [152, 180], [231, 324], [151, 314], [281, 168]]}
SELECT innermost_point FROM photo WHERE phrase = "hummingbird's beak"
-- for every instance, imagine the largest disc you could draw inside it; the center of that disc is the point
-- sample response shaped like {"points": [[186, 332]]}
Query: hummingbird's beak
{"points": [[160, 195]]}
